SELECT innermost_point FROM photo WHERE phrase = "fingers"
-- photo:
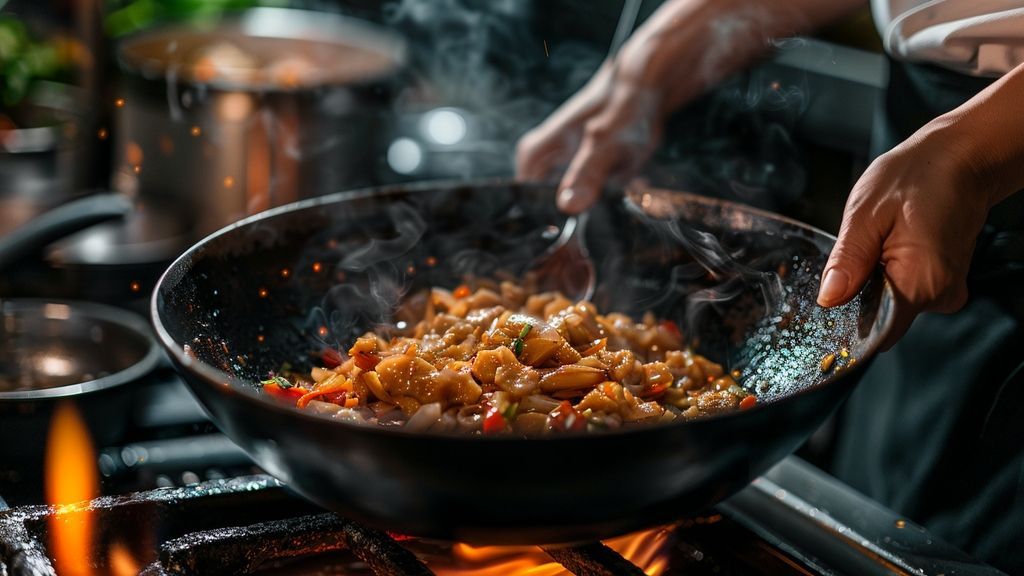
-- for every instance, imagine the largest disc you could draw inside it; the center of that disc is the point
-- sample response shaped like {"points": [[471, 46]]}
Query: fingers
{"points": [[855, 255], [587, 173], [616, 141], [538, 153]]}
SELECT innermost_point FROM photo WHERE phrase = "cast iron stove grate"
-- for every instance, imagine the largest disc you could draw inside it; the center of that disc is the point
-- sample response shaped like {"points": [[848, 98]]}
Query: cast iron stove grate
{"points": [[254, 525]]}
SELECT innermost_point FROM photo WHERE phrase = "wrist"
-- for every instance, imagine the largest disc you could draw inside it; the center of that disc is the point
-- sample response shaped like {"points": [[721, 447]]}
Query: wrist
{"points": [[986, 136]]}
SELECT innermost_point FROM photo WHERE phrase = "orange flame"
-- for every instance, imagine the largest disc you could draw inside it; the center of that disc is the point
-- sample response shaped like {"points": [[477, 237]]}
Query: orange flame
{"points": [[648, 550], [121, 562], [71, 481]]}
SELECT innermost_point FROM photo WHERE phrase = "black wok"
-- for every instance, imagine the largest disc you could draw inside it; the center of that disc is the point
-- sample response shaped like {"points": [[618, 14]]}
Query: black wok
{"points": [[278, 286]]}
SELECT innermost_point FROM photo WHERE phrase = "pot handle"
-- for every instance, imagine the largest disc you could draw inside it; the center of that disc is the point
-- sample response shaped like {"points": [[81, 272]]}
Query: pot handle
{"points": [[60, 222]]}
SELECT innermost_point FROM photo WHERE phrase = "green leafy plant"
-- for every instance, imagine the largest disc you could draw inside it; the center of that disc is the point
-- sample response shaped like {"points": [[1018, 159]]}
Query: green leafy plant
{"points": [[125, 18], [24, 59]]}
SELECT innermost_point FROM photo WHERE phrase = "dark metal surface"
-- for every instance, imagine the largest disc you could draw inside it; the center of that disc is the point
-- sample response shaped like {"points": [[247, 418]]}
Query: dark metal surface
{"points": [[793, 520], [827, 525], [231, 302], [593, 559], [52, 349], [242, 550]]}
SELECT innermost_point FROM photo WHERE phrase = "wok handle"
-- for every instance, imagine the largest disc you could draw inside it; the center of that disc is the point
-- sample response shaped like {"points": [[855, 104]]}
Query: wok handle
{"points": [[60, 222]]}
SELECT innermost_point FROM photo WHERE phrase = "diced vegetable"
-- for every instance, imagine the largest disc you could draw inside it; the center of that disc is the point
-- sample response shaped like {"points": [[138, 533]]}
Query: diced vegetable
{"points": [[672, 328], [290, 394], [565, 418], [280, 381], [494, 422], [748, 402], [330, 358], [366, 360], [517, 343]]}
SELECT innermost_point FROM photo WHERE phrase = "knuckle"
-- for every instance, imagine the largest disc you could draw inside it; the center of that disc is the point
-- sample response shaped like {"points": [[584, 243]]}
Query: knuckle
{"points": [[597, 131], [933, 283]]}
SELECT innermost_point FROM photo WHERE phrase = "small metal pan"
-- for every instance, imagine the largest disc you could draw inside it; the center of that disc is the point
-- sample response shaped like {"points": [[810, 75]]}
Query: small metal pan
{"points": [[53, 350]]}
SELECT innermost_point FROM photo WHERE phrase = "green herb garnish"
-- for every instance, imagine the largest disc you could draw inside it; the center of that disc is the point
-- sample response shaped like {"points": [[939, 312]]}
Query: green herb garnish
{"points": [[517, 344], [279, 380], [510, 411]]}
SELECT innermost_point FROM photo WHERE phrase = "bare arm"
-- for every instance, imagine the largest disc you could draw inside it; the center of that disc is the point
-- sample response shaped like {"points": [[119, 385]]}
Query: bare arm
{"points": [[613, 124], [919, 208]]}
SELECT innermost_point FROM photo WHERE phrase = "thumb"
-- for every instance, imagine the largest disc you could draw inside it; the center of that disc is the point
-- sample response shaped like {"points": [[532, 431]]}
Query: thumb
{"points": [[852, 260]]}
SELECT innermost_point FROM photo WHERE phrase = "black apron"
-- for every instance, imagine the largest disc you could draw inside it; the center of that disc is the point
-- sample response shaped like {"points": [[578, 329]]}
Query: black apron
{"points": [[936, 428]]}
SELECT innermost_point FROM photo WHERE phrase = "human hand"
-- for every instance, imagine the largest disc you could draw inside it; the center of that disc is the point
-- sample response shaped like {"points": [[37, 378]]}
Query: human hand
{"points": [[606, 130], [918, 210], [611, 126]]}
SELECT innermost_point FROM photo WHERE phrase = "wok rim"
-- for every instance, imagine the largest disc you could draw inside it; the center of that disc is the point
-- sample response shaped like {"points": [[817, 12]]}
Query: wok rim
{"points": [[232, 385], [91, 311]]}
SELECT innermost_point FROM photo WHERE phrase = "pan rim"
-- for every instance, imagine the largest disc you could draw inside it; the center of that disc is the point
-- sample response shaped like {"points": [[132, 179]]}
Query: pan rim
{"points": [[123, 318], [241, 389]]}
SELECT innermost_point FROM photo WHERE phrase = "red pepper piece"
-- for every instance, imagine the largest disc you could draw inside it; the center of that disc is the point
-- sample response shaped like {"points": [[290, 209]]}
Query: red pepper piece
{"points": [[494, 422], [367, 360], [330, 358], [291, 395], [566, 418], [672, 328]]}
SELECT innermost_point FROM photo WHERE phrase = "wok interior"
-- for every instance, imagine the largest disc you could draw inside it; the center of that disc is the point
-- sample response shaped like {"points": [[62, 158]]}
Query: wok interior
{"points": [[277, 290]]}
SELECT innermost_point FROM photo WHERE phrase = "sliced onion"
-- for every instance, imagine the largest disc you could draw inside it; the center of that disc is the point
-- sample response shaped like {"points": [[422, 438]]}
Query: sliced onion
{"points": [[422, 419]]}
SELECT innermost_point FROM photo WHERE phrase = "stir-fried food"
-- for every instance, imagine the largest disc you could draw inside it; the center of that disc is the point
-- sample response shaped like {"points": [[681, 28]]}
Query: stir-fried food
{"points": [[501, 360]]}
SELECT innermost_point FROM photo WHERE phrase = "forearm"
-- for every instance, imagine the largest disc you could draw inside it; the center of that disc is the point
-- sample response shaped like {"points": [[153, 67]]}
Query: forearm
{"points": [[988, 133], [687, 46]]}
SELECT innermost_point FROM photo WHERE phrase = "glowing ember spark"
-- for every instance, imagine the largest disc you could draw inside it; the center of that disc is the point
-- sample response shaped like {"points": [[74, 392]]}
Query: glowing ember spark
{"points": [[317, 267], [229, 182], [133, 153], [71, 481], [285, 272], [102, 133], [135, 286], [119, 102], [196, 131], [323, 331], [263, 292]]}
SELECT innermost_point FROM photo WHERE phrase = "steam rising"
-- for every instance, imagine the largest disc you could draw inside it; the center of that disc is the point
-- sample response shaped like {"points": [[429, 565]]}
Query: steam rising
{"points": [[487, 59], [712, 262]]}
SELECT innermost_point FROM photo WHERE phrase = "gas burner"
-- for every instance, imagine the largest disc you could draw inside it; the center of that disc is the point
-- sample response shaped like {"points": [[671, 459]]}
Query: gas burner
{"points": [[795, 519]]}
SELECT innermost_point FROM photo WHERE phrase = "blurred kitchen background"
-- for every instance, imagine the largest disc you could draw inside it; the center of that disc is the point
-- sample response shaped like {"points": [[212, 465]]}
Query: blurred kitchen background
{"points": [[202, 112]]}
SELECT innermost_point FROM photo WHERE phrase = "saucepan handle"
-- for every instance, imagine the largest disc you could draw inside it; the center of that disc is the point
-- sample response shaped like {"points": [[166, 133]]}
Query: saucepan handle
{"points": [[60, 222]]}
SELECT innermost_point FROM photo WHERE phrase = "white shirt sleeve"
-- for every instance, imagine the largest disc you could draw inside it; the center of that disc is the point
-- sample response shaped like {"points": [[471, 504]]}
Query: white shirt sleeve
{"points": [[977, 37]]}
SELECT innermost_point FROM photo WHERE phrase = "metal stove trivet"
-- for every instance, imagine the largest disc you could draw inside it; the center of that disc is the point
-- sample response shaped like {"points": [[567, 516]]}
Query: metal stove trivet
{"points": [[795, 519]]}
